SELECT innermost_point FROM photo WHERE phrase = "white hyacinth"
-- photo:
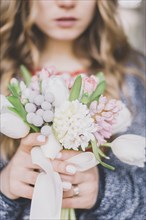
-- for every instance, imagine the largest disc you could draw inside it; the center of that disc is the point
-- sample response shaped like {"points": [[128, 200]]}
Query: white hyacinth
{"points": [[73, 125]]}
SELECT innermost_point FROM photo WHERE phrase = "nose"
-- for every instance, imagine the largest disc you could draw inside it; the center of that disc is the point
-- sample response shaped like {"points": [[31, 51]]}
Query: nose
{"points": [[66, 3]]}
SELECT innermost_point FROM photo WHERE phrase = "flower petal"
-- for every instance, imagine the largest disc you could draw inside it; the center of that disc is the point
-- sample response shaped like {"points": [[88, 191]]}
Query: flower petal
{"points": [[4, 103], [57, 86], [123, 120], [52, 147], [13, 126], [130, 149]]}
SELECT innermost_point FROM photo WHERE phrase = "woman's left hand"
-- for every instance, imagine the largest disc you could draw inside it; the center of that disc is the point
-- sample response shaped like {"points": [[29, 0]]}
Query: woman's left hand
{"points": [[84, 190]]}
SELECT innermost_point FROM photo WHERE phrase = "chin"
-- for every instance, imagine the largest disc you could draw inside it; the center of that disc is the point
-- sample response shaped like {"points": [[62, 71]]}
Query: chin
{"points": [[65, 38], [66, 35]]}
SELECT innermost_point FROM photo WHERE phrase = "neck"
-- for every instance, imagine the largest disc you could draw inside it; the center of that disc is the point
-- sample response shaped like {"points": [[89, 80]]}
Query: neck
{"points": [[60, 54], [55, 47]]}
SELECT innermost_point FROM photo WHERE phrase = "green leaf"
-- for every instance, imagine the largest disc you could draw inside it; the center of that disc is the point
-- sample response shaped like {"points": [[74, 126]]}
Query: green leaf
{"points": [[76, 89], [100, 76], [98, 91], [33, 127], [85, 98], [26, 74], [96, 153], [99, 88], [14, 110], [14, 90], [18, 106]]}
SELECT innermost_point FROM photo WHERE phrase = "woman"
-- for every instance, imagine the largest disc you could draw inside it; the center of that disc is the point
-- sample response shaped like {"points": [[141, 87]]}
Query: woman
{"points": [[59, 32]]}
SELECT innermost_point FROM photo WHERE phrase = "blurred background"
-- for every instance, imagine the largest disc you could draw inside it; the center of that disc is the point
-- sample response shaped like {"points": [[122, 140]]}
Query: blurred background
{"points": [[133, 17]]}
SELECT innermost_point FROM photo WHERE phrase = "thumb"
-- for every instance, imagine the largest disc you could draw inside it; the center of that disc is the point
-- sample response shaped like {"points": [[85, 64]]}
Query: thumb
{"points": [[31, 140], [66, 154]]}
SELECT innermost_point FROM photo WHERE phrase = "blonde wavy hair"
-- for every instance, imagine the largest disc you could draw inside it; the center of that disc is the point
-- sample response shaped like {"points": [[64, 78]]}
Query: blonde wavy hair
{"points": [[107, 47]]}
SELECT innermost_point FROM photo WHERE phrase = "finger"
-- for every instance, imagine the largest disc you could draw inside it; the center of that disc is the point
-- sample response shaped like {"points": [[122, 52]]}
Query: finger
{"points": [[77, 178], [23, 190], [30, 165], [78, 202], [74, 202], [66, 186], [30, 177], [24, 160], [63, 167], [81, 177], [26, 191], [66, 154], [85, 199], [33, 139], [76, 190], [68, 193]]}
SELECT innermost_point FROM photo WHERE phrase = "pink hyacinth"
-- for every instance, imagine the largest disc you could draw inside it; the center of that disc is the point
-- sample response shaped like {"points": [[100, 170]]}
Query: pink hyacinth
{"points": [[104, 113]]}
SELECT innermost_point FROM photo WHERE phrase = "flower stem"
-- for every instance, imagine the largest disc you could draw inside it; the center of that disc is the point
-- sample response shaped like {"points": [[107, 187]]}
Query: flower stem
{"points": [[72, 215], [68, 214], [64, 214], [106, 145]]}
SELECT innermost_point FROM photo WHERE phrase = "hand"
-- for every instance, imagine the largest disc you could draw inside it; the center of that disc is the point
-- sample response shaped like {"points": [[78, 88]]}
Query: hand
{"points": [[19, 176], [86, 181]]}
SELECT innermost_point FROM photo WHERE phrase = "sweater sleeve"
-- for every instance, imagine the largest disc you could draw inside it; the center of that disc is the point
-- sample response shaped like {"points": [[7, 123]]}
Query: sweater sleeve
{"points": [[122, 194], [11, 209]]}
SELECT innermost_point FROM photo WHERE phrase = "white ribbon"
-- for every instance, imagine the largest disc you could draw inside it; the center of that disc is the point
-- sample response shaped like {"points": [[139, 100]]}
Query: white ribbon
{"points": [[47, 197]]}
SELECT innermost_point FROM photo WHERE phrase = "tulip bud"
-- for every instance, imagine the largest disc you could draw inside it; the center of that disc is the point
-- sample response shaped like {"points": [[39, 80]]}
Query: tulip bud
{"points": [[13, 126], [52, 147], [130, 149]]}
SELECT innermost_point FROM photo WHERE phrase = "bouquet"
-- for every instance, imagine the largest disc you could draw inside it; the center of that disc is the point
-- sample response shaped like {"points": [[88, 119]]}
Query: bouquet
{"points": [[73, 113]]}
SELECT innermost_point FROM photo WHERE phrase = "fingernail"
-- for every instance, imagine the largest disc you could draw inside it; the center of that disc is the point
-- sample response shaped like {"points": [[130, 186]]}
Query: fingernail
{"points": [[41, 138], [59, 155], [71, 169], [66, 185]]}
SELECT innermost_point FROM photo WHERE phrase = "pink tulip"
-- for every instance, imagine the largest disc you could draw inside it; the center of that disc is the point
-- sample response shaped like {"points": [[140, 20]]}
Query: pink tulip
{"points": [[89, 84]]}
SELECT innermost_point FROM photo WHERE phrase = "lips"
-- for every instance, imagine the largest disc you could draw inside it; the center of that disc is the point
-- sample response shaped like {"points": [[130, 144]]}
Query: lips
{"points": [[66, 22]]}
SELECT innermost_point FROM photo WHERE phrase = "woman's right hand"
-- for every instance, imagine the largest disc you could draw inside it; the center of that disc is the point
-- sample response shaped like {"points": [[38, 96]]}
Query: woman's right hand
{"points": [[19, 176]]}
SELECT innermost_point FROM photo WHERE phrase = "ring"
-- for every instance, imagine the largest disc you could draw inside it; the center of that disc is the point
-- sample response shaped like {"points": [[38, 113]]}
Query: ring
{"points": [[76, 190]]}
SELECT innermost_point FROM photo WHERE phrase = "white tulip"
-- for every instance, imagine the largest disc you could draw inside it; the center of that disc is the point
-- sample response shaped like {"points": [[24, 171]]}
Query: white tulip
{"points": [[52, 147], [57, 86], [4, 104], [130, 149], [14, 81], [123, 120], [22, 86], [13, 126]]}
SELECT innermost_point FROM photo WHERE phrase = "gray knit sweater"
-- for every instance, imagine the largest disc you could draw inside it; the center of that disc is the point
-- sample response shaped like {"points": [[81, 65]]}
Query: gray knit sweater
{"points": [[122, 193]]}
